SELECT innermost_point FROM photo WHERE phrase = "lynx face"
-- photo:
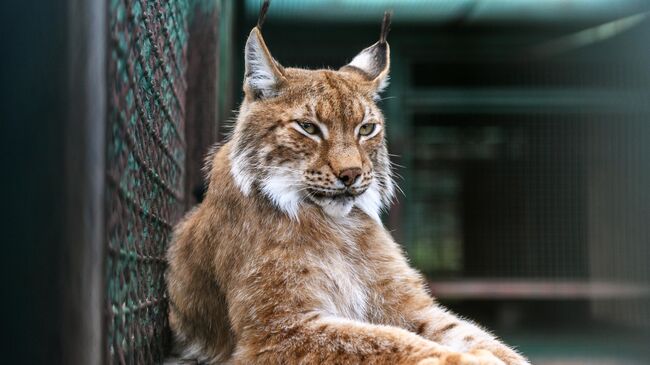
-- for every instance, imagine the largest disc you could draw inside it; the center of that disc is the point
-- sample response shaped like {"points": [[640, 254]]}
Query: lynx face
{"points": [[313, 136]]}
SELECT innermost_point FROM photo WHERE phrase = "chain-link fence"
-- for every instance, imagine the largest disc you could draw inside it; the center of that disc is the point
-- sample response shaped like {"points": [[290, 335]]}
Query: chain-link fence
{"points": [[145, 170]]}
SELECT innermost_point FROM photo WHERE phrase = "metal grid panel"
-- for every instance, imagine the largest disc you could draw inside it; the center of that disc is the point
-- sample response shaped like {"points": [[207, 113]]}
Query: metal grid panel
{"points": [[499, 195], [145, 170], [500, 160], [534, 171]]}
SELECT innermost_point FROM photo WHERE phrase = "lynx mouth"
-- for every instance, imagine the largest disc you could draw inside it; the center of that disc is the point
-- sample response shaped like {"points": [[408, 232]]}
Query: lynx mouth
{"points": [[333, 196], [336, 195]]}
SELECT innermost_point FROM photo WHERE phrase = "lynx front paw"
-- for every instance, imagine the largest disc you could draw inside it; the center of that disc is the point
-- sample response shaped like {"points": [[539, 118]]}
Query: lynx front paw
{"points": [[506, 355], [477, 357]]}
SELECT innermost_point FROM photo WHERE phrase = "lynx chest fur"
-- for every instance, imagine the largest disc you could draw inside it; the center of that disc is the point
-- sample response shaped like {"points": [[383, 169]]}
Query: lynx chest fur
{"points": [[338, 265]]}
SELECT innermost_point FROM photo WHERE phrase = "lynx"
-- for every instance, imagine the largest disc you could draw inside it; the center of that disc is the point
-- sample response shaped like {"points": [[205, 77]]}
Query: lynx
{"points": [[286, 260]]}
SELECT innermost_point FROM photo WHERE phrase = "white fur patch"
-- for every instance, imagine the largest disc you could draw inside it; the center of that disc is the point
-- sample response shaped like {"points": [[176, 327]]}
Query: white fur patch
{"points": [[367, 63], [336, 208], [282, 190], [370, 202], [363, 61], [383, 84], [194, 351], [239, 171], [260, 70], [323, 130], [346, 296]]}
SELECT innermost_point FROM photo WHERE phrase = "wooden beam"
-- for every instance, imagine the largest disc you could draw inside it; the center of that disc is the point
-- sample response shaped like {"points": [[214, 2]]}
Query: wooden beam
{"points": [[497, 289]]}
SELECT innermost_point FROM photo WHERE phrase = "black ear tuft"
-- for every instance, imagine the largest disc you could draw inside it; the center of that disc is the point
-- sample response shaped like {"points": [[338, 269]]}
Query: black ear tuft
{"points": [[374, 62], [263, 10], [385, 26]]}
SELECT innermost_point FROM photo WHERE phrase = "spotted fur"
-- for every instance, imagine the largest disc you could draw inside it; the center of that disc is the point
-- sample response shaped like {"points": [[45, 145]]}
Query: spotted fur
{"points": [[282, 263]]}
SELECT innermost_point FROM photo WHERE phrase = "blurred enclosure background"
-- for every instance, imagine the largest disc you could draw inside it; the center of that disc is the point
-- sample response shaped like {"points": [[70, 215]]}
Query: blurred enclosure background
{"points": [[521, 133]]}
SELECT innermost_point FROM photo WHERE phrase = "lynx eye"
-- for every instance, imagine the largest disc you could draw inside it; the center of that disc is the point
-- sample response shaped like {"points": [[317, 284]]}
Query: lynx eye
{"points": [[367, 129], [310, 128]]}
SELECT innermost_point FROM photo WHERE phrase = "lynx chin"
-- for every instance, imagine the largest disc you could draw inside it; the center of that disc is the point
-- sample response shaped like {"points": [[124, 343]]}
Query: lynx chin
{"points": [[286, 260]]}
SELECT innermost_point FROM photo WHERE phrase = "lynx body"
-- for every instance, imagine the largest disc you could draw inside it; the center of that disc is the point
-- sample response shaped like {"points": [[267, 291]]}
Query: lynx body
{"points": [[286, 260]]}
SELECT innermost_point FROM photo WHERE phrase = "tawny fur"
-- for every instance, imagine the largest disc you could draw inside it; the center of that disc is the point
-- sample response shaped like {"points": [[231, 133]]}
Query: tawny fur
{"points": [[272, 269]]}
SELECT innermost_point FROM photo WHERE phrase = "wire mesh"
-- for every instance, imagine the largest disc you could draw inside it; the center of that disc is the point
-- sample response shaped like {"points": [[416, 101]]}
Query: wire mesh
{"points": [[500, 195], [532, 172], [145, 171]]}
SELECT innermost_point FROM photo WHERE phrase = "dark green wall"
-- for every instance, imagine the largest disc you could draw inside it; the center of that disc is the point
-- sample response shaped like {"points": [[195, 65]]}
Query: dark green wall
{"points": [[32, 110]]}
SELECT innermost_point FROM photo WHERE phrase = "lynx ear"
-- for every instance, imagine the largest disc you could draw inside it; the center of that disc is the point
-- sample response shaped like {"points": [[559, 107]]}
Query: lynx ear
{"points": [[264, 75], [374, 62]]}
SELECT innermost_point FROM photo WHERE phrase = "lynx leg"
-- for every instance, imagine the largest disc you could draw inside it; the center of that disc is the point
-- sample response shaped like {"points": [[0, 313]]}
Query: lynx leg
{"points": [[441, 326], [331, 340]]}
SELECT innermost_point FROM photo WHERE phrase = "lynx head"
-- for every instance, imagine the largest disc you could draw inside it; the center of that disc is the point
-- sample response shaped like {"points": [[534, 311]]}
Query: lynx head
{"points": [[314, 136]]}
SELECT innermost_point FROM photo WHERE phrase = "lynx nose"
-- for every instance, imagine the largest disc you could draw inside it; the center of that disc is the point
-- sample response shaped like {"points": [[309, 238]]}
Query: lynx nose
{"points": [[349, 176]]}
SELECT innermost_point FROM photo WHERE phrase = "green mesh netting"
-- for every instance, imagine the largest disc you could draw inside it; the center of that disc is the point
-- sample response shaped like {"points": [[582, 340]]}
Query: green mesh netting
{"points": [[145, 170]]}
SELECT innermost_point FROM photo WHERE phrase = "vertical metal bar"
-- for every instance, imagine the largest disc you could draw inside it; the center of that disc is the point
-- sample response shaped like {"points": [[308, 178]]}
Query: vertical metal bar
{"points": [[83, 244], [203, 94], [226, 41]]}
